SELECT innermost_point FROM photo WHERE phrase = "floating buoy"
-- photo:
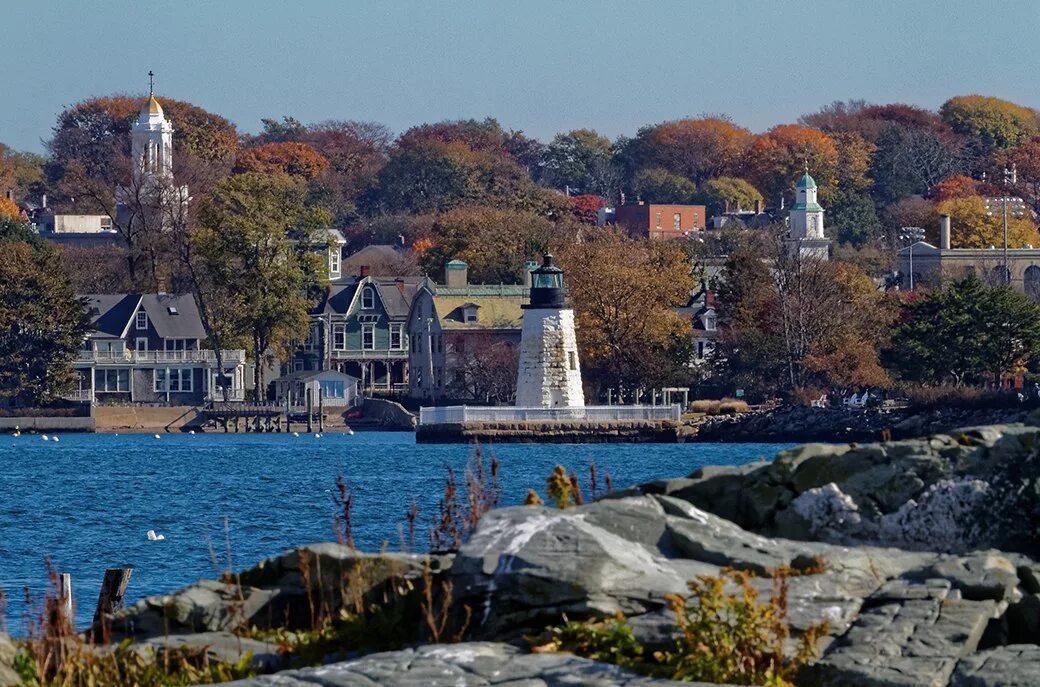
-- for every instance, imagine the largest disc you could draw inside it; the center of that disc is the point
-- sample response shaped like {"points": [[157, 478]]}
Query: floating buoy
{"points": [[317, 436], [55, 439], [191, 431], [296, 434], [45, 437], [156, 436], [152, 536]]}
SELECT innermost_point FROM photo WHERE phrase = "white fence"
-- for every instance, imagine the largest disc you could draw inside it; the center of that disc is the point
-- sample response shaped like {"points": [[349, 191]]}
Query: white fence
{"points": [[448, 415], [231, 357]]}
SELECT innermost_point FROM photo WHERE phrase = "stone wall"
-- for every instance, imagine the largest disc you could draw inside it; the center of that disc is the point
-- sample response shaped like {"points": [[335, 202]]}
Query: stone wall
{"points": [[550, 373]]}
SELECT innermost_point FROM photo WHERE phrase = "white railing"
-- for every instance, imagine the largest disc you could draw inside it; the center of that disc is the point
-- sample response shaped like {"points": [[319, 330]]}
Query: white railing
{"points": [[231, 357], [447, 415], [217, 395], [83, 395]]}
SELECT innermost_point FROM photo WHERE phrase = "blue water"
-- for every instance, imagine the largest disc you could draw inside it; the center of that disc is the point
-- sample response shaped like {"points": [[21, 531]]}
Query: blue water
{"points": [[87, 501]]}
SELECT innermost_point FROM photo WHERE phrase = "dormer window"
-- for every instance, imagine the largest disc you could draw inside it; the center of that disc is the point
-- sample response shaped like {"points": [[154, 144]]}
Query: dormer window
{"points": [[709, 323], [469, 314], [334, 261], [142, 320], [368, 298]]}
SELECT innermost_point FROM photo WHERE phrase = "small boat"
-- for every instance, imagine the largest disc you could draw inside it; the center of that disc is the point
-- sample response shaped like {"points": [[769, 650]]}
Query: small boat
{"points": [[152, 536]]}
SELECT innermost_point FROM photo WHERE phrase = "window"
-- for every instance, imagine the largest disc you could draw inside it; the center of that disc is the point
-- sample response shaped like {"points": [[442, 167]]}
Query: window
{"points": [[397, 336], [142, 319], [339, 337], [297, 365], [368, 298], [469, 314], [657, 217], [334, 261], [172, 310], [333, 389], [141, 344], [175, 344], [368, 337], [572, 360], [700, 350], [173, 380], [709, 323], [110, 381], [312, 338], [677, 221]]}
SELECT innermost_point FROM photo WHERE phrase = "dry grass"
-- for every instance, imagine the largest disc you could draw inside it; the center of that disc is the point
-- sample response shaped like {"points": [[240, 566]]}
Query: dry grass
{"points": [[726, 406]]}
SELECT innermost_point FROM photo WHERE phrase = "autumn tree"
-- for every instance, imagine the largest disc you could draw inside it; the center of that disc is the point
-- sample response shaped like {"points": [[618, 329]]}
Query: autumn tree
{"points": [[294, 159], [580, 160], [42, 323], [261, 251], [729, 192], [974, 227], [966, 333], [486, 368], [698, 149], [21, 173], [624, 293], [585, 208], [909, 161], [9, 210], [778, 158], [990, 123], [956, 186], [657, 185], [789, 322], [1026, 160]]}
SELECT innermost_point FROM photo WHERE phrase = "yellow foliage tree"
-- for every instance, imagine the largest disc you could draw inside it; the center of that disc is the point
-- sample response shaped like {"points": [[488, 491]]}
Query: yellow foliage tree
{"points": [[974, 227], [9, 210]]}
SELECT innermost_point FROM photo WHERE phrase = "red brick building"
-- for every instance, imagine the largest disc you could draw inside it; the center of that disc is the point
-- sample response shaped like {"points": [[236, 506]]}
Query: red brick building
{"points": [[660, 221]]}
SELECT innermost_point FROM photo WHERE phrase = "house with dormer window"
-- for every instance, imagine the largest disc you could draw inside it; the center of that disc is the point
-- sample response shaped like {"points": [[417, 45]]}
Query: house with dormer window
{"points": [[358, 328], [148, 348]]}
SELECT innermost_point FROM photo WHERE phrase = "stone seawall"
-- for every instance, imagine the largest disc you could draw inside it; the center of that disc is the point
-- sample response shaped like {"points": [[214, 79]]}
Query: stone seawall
{"points": [[47, 424], [662, 432]]}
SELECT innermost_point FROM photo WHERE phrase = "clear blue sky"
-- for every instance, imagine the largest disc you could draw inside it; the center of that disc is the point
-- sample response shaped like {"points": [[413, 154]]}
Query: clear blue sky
{"points": [[539, 66]]}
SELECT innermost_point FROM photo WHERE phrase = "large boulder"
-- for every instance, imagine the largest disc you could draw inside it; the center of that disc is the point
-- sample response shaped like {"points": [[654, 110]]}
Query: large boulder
{"points": [[473, 664], [8, 678], [1017, 665], [282, 591]]}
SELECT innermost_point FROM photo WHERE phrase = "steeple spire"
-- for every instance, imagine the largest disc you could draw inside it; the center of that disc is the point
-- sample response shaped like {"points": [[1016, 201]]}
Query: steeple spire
{"points": [[151, 82]]}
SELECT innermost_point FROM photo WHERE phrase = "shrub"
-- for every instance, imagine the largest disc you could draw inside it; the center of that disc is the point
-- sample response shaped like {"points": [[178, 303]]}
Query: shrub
{"points": [[727, 406], [610, 640], [924, 397], [560, 488]]}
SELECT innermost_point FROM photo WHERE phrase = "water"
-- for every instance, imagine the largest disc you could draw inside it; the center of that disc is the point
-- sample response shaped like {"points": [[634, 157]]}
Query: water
{"points": [[87, 501]]}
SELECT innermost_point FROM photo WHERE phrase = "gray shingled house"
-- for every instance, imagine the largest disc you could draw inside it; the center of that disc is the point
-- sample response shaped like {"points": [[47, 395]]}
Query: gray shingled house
{"points": [[147, 348]]}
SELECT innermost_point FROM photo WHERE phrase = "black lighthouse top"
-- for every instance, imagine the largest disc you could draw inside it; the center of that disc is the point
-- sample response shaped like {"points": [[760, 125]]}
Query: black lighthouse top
{"points": [[547, 286]]}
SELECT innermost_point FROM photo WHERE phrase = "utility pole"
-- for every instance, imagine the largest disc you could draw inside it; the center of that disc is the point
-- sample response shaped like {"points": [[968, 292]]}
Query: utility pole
{"points": [[1010, 180], [912, 235]]}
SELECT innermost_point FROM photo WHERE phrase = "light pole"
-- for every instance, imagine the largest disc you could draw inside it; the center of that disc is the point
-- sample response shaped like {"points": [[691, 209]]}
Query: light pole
{"points": [[911, 235], [1010, 179]]}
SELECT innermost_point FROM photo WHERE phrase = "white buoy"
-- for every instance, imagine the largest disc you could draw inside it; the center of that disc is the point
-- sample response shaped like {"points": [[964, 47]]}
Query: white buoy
{"points": [[296, 434], [317, 436], [152, 536], [45, 437], [55, 439], [191, 431], [156, 436]]}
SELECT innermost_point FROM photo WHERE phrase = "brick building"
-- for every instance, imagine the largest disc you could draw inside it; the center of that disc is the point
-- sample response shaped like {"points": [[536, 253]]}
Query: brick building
{"points": [[660, 221]]}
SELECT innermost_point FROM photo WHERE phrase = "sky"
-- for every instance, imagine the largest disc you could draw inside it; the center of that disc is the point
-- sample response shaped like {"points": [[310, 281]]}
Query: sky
{"points": [[542, 67]]}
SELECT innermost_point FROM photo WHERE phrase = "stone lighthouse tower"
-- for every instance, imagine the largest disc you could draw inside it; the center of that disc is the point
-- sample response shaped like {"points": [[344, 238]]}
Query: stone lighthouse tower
{"points": [[549, 375]]}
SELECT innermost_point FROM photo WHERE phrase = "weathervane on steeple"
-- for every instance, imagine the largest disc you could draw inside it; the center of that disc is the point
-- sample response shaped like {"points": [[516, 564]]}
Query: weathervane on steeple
{"points": [[151, 82], [806, 159]]}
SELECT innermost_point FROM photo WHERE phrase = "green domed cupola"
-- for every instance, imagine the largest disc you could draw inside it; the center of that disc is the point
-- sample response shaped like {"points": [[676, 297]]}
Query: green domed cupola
{"points": [[806, 181]]}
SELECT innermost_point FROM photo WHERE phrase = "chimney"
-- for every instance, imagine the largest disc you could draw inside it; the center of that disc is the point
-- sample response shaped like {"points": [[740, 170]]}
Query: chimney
{"points": [[399, 283], [43, 200], [944, 232], [363, 271], [456, 274], [758, 206], [529, 267]]}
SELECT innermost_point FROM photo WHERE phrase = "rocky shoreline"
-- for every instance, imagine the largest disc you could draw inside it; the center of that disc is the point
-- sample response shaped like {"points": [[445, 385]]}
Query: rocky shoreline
{"points": [[804, 424], [920, 558]]}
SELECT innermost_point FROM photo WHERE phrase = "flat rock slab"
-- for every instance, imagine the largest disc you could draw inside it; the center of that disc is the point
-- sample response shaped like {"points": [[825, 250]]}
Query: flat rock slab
{"points": [[908, 634], [473, 664], [1017, 665], [221, 646]]}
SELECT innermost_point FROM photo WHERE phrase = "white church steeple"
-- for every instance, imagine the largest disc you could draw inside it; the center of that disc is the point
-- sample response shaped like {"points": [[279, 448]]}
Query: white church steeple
{"points": [[806, 221], [152, 140]]}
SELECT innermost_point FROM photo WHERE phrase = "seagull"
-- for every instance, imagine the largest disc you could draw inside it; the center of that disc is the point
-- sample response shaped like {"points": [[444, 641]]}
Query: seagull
{"points": [[156, 436], [350, 431], [152, 536], [191, 431], [55, 439], [296, 434], [317, 436], [45, 437]]}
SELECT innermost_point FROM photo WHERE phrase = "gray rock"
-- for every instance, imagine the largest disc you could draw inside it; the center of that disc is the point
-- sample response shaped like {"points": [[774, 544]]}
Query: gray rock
{"points": [[8, 678], [473, 664], [1016, 665], [219, 646], [985, 575], [908, 634]]}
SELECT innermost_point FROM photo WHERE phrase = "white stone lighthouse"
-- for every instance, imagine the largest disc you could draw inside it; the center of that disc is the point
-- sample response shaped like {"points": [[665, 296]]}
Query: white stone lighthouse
{"points": [[549, 375]]}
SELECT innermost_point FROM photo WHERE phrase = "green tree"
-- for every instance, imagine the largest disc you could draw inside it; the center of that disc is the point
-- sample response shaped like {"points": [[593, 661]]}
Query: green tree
{"points": [[853, 218], [991, 123], [656, 185], [910, 160], [42, 323], [580, 160], [263, 252], [966, 333]]}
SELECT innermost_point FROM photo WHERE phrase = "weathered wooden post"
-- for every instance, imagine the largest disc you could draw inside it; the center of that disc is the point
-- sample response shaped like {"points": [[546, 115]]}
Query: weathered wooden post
{"points": [[65, 597], [310, 410], [288, 407], [113, 590], [321, 409]]}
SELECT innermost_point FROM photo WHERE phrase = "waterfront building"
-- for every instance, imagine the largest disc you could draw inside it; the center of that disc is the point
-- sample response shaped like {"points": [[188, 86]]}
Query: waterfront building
{"points": [[147, 348], [807, 238], [464, 338], [549, 374]]}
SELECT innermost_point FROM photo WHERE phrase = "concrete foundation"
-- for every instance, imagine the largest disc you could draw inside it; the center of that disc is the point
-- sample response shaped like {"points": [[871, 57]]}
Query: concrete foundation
{"points": [[661, 432]]}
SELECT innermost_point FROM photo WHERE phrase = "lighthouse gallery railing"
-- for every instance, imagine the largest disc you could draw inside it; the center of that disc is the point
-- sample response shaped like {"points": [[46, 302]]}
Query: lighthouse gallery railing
{"points": [[448, 415]]}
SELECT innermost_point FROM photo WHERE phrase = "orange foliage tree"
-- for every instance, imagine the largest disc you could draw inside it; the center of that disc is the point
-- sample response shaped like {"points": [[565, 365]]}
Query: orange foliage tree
{"points": [[698, 149], [778, 157], [8, 209], [294, 159], [957, 186], [585, 208]]}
